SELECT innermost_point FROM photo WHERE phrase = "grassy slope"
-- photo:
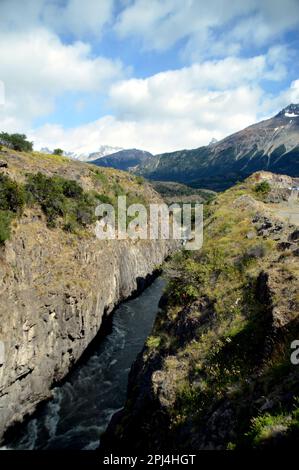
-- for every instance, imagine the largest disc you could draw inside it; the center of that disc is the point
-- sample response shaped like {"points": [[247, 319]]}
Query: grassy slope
{"points": [[176, 192], [73, 213], [218, 361]]}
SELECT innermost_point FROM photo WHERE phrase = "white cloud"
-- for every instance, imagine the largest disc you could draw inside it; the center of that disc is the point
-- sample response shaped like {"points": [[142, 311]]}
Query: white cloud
{"points": [[214, 28], [81, 18], [36, 68], [75, 17], [155, 136], [272, 104], [182, 92], [182, 108], [170, 110], [219, 93]]}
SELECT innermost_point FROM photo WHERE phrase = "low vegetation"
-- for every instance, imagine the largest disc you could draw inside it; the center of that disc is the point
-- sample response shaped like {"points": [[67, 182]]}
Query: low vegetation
{"points": [[181, 193], [63, 202], [61, 198], [216, 325], [58, 151], [16, 142], [262, 188], [12, 201], [68, 202]]}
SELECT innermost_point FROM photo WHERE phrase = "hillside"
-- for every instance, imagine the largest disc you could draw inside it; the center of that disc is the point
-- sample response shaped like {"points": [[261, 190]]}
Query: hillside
{"points": [[271, 145], [216, 372], [57, 280], [124, 159], [173, 192]]}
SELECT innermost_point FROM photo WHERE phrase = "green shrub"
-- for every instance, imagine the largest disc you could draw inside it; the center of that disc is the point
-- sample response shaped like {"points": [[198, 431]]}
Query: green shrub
{"points": [[103, 198], [58, 152], [59, 197], [266, 426], [85, 214], [48, 192], [69, 227], [72, 189], [5, 221], [12, 195], [17, 142], [262, 188], [153, 342]]}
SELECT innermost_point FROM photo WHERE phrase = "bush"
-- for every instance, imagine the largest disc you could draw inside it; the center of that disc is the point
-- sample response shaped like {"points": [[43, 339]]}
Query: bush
{"points": [[70, 227], [153, 342], [262, 188], [103, 198], [17, 142], [5, 221], [85, 210], [266, 427], [12, 195], [72, 189], [48, 192], [59, 197], [58, 152]]}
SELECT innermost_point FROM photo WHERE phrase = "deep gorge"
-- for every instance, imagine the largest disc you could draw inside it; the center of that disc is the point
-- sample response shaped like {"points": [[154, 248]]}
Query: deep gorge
{"points": [[83, 404]]}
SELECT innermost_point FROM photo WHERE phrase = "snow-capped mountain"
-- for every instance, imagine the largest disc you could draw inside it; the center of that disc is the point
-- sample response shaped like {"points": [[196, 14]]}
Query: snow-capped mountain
{"points": [[291, 111], [272, 144], [102, 151]]}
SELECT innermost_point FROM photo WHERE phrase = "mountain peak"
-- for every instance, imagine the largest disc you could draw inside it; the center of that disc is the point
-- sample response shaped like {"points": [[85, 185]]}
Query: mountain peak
{"points": [[291, 111]]}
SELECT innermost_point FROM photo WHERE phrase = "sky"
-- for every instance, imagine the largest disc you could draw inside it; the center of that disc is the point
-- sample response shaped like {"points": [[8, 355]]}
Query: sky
{"points": [[158, 75]]}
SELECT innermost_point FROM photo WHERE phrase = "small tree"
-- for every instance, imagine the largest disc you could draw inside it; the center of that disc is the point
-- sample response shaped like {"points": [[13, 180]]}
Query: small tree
{"points": [[262, 188], [58, 152], [17, 142]]}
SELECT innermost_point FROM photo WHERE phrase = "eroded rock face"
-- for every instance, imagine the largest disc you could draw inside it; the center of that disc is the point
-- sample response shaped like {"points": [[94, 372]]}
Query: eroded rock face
{"points": [[54, 290]]}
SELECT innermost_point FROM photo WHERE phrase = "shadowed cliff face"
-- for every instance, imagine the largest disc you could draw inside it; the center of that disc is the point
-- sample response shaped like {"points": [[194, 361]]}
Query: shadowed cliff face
{"points": [[56, 286], [216, 371], [84, 402]]}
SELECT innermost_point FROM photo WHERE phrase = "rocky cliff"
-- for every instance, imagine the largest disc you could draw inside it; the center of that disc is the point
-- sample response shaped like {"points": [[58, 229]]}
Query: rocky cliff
{"points": [[216, 372], [56, 285]]}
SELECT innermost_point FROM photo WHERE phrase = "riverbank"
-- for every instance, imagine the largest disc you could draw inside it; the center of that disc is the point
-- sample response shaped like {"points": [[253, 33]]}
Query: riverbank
{"points": [[84, 402]]}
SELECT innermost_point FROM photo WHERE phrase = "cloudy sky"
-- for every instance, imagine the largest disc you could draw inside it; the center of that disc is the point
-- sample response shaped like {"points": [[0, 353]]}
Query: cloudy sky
{"points": [[158, 75]]}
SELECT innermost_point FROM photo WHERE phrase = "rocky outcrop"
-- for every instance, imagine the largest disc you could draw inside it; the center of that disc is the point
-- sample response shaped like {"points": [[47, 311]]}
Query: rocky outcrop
{"points": [[56, 287], [54, 292]]}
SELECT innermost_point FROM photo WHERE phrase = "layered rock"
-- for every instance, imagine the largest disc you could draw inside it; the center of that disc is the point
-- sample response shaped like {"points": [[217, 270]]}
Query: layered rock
{"points": [[55, 289]]}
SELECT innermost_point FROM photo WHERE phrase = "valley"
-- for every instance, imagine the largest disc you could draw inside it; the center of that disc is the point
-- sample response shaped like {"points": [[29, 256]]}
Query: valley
{"points": [[216, 371], [271, 145]]}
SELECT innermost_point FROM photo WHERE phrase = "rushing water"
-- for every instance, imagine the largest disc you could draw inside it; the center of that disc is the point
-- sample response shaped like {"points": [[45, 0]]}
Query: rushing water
{"points": [[82, 406]]}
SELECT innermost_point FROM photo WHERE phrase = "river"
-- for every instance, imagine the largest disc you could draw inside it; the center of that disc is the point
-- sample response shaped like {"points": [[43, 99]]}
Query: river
{"points": [[83, 405]]}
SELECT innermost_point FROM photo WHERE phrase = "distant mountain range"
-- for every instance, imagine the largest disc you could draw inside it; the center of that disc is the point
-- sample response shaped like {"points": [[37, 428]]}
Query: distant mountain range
{"points": [[271, 145], [126, 160], [86, 156]]}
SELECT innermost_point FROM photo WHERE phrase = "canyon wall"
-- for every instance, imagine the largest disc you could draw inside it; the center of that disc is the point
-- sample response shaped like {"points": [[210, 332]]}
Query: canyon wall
{"points": [[54, 291], [57, 284]]}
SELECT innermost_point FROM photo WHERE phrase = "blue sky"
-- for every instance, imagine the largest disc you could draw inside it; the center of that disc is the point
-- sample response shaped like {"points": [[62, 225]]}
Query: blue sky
{"points": [[153, 74]]}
